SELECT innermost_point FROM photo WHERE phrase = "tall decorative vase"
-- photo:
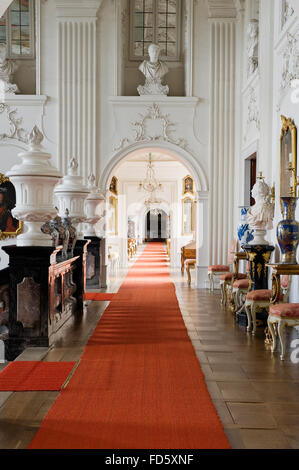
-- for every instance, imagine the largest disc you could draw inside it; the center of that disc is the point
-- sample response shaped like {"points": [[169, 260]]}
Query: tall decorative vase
{"points": [[288, 231], [70, 194], [92, 203], [34, 179], [245, 234]]}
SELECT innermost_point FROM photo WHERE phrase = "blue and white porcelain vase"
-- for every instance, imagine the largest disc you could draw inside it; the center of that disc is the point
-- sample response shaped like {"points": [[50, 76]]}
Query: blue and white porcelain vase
{"points": [[288, 231], [245, 234]]}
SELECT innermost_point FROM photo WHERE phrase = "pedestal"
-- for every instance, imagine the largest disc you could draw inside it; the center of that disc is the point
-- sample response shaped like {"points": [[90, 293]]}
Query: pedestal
{"points": [[93, 262], [42, 296], [258, 257]]}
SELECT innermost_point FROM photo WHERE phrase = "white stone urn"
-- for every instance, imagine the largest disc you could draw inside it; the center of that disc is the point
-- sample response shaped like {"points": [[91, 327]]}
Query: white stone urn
{"points": [[34, 180], [71, 194], [91, 204]]}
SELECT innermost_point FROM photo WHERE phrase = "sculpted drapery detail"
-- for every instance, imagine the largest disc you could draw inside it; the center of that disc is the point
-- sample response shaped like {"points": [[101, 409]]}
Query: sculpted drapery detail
{"points": [[253, 113], [143, 134], [290, 62]]}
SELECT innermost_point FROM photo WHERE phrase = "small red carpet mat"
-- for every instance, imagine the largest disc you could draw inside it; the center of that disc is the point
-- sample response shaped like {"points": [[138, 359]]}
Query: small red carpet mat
{"points": [[97, 296], [138, 384], [29, 376]]}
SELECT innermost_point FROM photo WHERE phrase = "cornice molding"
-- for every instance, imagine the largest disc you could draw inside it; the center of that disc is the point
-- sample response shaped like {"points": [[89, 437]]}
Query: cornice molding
{"points": [[77, 8]]}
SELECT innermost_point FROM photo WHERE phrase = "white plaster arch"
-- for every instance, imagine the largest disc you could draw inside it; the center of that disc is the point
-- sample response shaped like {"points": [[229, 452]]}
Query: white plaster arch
{"points": [[143, 216], [185, 157], [141, 213]]}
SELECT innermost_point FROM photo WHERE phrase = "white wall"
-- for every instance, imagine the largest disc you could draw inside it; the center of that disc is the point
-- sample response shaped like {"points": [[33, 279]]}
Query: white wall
{"points": [[263, 101]]}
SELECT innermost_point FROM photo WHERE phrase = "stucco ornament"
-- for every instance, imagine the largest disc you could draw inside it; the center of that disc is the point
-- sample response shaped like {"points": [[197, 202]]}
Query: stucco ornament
{"points": [[252, 46], [290, 61], [153, 70], [260, 215], [287, 12], [7, 69]]}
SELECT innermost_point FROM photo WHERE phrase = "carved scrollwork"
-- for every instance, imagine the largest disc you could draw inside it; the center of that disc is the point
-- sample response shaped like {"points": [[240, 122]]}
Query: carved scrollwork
{"points": [[275, 288], [33, 217], [286, 13], [15, 130], [141, 134]]}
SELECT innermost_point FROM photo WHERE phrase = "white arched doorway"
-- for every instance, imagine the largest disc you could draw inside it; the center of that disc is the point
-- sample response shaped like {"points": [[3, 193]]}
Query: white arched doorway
{"points": [[193, 168], [156, 226]]}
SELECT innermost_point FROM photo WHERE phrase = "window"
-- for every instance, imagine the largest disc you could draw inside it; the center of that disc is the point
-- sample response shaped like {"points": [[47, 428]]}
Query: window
{"points": [[155, 21], [16, 30]]}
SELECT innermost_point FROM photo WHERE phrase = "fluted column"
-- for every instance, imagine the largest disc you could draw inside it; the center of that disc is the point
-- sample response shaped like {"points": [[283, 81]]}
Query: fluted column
{"points": [[222, 136], [76, 29]]}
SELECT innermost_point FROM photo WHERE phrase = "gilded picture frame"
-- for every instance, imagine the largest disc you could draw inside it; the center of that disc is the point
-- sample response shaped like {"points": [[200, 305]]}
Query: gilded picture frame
{"points": [[113, 188], [10, 227], [288, 157], [188, 185], [112, 221]]}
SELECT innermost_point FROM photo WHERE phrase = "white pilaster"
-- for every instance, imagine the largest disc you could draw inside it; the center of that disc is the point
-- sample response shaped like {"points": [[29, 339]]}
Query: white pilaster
{"points": [[222, 132], [202, 237], [76, 29], [264, 162], [240, 67]]}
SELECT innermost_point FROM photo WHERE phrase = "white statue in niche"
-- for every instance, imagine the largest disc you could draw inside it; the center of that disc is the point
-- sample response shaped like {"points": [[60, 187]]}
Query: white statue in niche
{"points": [[7, 69], [252, 46], [260, 215], [153, 70]]}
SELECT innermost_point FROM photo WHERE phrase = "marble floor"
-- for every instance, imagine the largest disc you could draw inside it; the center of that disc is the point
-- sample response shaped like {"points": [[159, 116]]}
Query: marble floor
{"points": [[256, 395]]}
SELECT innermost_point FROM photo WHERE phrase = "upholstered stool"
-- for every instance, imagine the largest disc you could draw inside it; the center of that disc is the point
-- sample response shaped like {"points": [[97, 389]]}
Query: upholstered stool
{"points": [[256, 299], [216, 270], [240, 287], [219, 269], [225, 282], [283, 315], [260, 298], [190, 264]]}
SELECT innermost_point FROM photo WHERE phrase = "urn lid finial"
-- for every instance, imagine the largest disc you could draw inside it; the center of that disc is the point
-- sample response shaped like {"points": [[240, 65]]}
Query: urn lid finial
{"points": [[73, 166], [35, 138], [91, 180]]}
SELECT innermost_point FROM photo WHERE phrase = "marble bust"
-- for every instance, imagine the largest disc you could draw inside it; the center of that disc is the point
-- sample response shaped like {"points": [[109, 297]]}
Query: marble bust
{"points": [[153, 70], [260, 215], [7, 69]]}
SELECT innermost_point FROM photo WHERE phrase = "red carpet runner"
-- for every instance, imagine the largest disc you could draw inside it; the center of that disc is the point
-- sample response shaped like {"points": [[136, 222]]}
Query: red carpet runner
{"points": [[98, 296], [139, 383], [24, 376]]}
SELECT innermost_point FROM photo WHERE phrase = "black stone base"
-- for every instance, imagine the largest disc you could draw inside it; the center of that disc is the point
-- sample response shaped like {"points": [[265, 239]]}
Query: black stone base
{"points": [[93, 261], [261, 317]]}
